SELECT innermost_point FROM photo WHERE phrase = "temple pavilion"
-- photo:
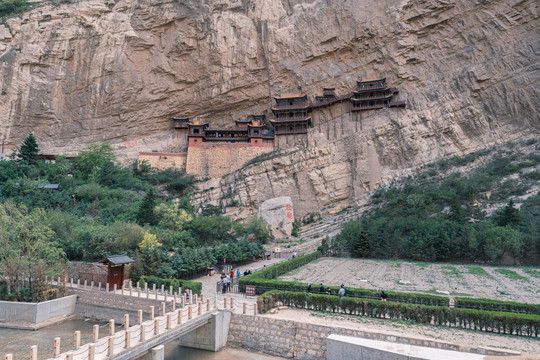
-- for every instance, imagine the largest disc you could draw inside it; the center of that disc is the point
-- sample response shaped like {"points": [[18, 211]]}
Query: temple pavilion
{"points": [[292, 114], [253, 130], [374, 94]]}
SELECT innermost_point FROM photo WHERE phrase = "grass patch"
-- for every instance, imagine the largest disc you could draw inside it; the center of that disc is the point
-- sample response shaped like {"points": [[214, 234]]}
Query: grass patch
{"points": [[479, 271], [422, 265], [451, 270], [532, 272], [511, 274]]}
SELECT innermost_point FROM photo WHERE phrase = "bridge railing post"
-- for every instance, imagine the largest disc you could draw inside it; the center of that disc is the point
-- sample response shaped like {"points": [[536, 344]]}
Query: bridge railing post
{"points": [[110, 345], [173, 305], [195, 298], [180, 314], [189, 313], [232, 303], [156, 326], [69, 355], [244, 309], [151, 312], [9, 357], [225, 303], [142, 335], [95, 333], [56, 347], [207, 304], [127, 339], [111, 327], [76, 340], [168, 326], [162, 308], [126, 321], [139, 317], [33, 352], [199, 308], [91, 351]]}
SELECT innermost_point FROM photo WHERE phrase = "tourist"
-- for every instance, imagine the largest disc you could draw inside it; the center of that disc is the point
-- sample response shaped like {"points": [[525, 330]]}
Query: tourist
{"points": [[321, 289], [308, 288], [251, 270], [246, 273], [328, 291], [225, 284], [341, 292], [238, 272], [294, 254], [383, 296], [231, 273]]}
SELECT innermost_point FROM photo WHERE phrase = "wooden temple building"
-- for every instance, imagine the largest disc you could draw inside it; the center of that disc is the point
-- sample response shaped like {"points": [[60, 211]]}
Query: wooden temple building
{"points": [[292, 114], [373, 95], [253, 130]]}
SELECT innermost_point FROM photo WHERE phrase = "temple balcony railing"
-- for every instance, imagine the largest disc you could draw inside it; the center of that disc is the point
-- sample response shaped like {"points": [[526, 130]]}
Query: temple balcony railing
{"points": [[226, 138], [397, 104], [291, 132], [368, 107], [373, 97], [374, 87], [292, 118], [300, 106]]}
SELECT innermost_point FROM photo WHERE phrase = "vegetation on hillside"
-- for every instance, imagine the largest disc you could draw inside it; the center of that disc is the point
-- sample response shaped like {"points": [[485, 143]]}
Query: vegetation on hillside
{"points": [[102, 208], [436, 216]]}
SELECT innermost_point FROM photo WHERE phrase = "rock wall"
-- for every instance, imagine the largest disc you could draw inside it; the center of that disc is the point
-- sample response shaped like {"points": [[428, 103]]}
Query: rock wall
{"points": [[216, 160], [97, 70], [291, 339], [164, 161]]}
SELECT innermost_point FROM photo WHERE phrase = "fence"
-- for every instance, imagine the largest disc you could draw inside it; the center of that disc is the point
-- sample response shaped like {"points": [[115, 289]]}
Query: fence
{"points": [[35, 313]]}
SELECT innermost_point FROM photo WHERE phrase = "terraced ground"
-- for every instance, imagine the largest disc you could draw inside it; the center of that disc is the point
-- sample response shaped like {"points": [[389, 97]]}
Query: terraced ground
{"points": [[521, 284]]}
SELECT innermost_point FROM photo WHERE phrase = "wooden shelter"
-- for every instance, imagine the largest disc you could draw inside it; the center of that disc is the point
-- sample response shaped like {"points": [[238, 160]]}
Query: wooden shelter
{"points": [[116, 269]]}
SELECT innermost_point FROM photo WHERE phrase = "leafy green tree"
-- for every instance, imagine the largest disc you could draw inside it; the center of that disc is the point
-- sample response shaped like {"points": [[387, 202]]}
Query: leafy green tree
{"points": [[211, 228], [501, 241], [27, 252], [29, 150], [93, 159], [11, 7], [258, 228]]}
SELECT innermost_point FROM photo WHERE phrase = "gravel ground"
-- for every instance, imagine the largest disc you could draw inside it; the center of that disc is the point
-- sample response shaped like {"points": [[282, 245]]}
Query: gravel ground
{"points": [[458, 280]]}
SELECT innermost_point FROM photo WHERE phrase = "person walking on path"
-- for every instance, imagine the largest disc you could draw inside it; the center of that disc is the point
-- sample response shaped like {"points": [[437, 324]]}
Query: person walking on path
{"points": [[341, 292], [308, 288], [383, 296], [238, 272], [321, 289]]}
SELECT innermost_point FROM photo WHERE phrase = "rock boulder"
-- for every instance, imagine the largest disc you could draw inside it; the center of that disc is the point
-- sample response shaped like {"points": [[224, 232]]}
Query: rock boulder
{"points": [[278, 213]]}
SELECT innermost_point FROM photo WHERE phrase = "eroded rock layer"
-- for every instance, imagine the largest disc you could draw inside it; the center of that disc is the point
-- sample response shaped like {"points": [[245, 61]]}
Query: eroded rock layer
{"points": [[119, 70]]}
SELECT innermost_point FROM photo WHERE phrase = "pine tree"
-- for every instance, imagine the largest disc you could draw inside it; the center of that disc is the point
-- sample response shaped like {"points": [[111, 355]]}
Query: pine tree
{"points": [[29, 150], [509, 215], [146, 215]]}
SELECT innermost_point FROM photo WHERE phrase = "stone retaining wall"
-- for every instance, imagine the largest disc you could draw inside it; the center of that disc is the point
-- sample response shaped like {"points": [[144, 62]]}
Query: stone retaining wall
{"points": [[35, 313], [289, 339], [102, 305]]}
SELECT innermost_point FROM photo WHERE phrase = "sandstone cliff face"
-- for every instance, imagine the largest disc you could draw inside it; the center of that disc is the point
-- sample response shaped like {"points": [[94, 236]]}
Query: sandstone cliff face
{"points": [[118, 70]]}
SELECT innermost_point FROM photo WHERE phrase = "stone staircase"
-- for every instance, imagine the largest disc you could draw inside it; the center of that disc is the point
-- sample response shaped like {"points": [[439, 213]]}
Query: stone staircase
{"points": [[330, 225]]}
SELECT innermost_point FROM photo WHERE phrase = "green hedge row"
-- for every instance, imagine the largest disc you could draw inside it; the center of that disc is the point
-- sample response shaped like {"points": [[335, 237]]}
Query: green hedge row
{"points": [[491, 321], [264, 280], [194, 286], [496, 305], [277, 270]]}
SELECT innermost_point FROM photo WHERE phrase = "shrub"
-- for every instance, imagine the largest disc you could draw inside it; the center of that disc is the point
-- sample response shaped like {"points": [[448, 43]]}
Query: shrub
{"points": [[496, 305], [492, 321], [195, 286]]}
